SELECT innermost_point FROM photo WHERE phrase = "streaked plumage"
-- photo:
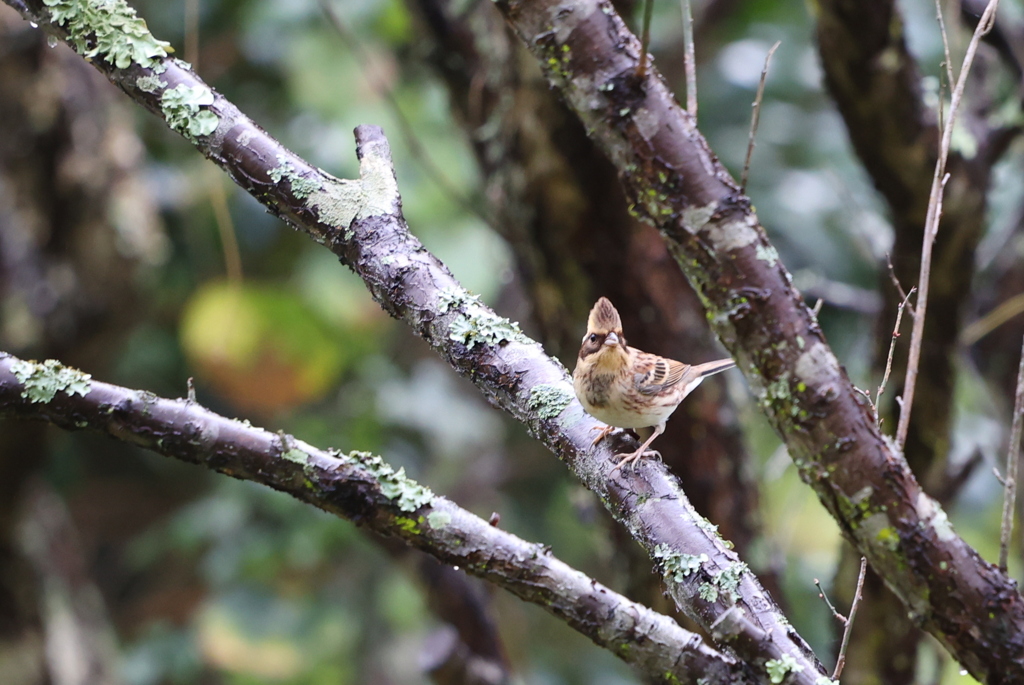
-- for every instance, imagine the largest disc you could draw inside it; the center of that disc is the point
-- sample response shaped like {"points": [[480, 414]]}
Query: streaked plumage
{"points": [[627, 388]]}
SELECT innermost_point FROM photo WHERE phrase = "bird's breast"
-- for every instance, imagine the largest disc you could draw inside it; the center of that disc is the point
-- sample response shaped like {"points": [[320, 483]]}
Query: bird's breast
{"points": [[608, 398]]}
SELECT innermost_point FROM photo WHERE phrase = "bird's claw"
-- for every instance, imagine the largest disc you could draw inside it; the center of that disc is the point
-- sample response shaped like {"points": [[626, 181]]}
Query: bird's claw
{"points": [[605, 430], [633, 458]]}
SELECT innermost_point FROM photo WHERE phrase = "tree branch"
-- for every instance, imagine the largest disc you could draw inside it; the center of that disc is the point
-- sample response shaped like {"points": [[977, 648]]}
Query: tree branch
{"points": [[678, 185], [363, 489], [361, 222]]}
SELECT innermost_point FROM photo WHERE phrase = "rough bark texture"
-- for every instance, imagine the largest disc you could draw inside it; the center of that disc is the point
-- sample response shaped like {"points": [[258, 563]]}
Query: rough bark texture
{"points": [[678, 185], [361, 488]]}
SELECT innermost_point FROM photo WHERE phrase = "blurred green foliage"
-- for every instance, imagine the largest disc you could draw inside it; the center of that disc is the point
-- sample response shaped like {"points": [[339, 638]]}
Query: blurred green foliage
{"points": [[225, 582]]}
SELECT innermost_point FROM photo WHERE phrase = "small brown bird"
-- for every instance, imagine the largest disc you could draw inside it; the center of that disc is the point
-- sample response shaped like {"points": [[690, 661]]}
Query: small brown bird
{"points": [[627, 388]]}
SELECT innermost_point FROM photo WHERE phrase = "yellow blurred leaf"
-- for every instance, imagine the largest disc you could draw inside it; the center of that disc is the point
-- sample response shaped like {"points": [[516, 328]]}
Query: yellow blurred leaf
{"points": [[260, 347]]}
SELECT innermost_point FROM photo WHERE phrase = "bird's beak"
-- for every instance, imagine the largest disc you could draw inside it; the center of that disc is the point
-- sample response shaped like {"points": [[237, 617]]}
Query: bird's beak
{"points": [[611, 340]]}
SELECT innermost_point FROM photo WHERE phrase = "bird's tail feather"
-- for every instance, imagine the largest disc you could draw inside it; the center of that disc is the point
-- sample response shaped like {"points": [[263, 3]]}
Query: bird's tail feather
{"points": [[711, 368]]}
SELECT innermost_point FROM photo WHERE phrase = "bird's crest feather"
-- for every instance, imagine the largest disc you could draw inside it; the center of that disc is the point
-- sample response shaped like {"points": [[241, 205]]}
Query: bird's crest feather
{"points": [[604, 318]]}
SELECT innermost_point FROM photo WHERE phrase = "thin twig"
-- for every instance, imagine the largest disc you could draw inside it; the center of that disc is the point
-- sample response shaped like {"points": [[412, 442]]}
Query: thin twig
{"points": [[1012, 457], [896, 282], [931, 225], [817, 307], [945, 43], [821, 593], [892, 349], [645, 38], [841, 660], [689, 60], [409, 135], [755, 116]]}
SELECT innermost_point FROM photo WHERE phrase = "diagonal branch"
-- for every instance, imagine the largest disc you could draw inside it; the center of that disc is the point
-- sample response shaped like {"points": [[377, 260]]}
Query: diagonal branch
{"points": [[678, 185], [363, 489], [361, 222]]}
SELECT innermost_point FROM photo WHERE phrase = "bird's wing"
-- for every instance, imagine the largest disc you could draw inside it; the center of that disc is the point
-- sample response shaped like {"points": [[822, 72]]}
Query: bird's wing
{"points": [[654, 374]]}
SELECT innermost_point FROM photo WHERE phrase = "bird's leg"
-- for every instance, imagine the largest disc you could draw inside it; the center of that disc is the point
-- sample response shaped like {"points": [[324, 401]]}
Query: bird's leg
{"points": [[605, 430], [632, 458]]}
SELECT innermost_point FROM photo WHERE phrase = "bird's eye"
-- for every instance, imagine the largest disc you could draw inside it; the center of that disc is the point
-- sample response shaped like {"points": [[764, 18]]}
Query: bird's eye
{"points": [[593, 337]]}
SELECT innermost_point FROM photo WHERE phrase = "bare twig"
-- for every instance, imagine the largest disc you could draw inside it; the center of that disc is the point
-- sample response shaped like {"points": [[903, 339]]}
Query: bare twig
{"points": [[645, 38], [899, 287], [892, 349], [755, 116], [1012, 457], [689, 59], [841, 659], [931, 226], [817, 307], [945, 43], [821, 593]]}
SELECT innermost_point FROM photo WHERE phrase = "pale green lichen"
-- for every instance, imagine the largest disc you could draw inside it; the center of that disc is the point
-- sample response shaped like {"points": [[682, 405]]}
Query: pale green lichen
{"points": [[339, 202], [724, 583], [548, 400], [150, 83], [712, 530], [769, 255], [395, 485], [296, 455], [43, 381], [825, 680], [475, 327], [728, 581], [439, 519], [779, 668], [478, 325], [181, 106], [708, 592], [110, 30], [452, 297], [676, 565], [484, 328], [301, 187]]}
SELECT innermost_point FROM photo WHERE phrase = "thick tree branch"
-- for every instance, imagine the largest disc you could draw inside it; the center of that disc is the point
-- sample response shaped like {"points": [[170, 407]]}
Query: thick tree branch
{"points": [[361, 222], [678, 185], [361, 488]]}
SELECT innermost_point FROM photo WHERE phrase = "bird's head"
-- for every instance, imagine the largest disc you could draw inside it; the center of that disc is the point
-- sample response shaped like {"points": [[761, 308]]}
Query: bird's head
{"points": [[604, 343]]}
